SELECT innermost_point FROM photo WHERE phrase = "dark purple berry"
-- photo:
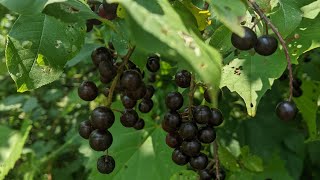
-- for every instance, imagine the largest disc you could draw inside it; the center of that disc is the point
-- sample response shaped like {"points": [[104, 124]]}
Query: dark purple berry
{"points": [[191, 148], [203, 114], [153, 63], [217, 117], [105, 164], [199, 162], [101, 54], [149, 93], [171, 121], [85, 129], [174, 101], [145, 105], [131, 80], [286, 110], [88, 91], [207, 135], [127, 102], [100, 140], [266, 45], [244, 43], [139, 125], [102, 118], [188, 131], [173, 140], [179, 158], [129, 118], [183, 78]]}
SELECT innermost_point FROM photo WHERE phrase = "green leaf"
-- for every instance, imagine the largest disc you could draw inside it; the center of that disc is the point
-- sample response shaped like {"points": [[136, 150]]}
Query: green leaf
{"points": [[11, 145], [228, 160], [38, 48], [26, 6], [84, 54], [156, 27], [184, 175], [311, 10], [221, 39], [252, 75], [251, 162]]}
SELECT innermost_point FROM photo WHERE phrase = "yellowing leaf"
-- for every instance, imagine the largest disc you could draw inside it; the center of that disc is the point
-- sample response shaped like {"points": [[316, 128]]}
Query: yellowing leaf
{"points": [[202, 16], [121, 12]]}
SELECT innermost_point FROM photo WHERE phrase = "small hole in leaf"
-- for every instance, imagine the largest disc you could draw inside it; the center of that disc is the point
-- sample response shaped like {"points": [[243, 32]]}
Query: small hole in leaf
{"points": [[251, 105]]}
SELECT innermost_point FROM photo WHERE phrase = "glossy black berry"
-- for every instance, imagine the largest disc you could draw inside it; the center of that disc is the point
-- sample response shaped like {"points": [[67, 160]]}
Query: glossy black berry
{"points": [[107, 70], [149, 93], [266, 45], [183, 78], [179, 158], [153, 63], [217, 117], [174, 101], [110, 10], [205, 175], [171, 122], [203, 114], [100, 140], [88, 91], [296, 83], [244, 43], [297, 92], [102, 118], [139, 125], [191, 148], [207, 95], [85, 129], [131, 80], [129, 118], [137, 94], [199, 162], [173, 140], [101, 54], [188, 131], [105, 164], [286, 110], [127, 102], [207, 135], [145, 105]]}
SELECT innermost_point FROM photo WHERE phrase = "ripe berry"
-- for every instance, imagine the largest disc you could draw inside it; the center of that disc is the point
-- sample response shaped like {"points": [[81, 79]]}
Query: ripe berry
{"points": [[183, 78], [137, 94], [171, 121], [188, 131], [110, 10], [107, 70], [173, 140], [266, 45], [152, 78], [89, 26], [199, 162], [105, 164], [244, 43], [179, 158], [174, 101], [202, 114], [139, 125], [102, 118], [100, 54], [205, 175], [85, 129], [207, 95], [153, 63], [191, 148], [127, 102], [296, 83], [207, 135], [100, 140], [131, 80], [88, 91], [286, 110], [129, 118], [217, 117], [297, 92], [149, 93], [145, 105]]}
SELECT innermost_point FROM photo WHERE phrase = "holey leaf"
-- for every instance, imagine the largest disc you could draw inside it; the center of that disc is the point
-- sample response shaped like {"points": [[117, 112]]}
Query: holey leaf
{"points": [[155, 26], [38, 47], [252, 75]]}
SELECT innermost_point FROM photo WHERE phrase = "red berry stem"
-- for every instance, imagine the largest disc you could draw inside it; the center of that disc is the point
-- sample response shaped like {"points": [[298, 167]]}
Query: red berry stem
{"points": [[258, 10], [125, 60]]}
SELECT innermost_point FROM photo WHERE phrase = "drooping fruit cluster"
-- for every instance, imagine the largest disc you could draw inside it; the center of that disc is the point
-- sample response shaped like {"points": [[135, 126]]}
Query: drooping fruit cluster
{"points": [[286, 110], [190, 129], [127, 80], [265, 45]]}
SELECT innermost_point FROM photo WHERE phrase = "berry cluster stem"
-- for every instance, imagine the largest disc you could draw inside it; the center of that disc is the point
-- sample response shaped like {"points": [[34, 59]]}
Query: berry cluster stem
{"points": [[216, 159], [125, 60], [191, 94], [258, 10]]}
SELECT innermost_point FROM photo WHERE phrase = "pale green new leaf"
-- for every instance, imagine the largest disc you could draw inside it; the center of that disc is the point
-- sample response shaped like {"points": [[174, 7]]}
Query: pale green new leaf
{"points": [[311, 10]]}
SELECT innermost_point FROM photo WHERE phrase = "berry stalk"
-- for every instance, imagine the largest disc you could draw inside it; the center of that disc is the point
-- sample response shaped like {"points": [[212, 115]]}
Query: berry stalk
{"points": [[191, 94], [216, 159], [258, 10]]}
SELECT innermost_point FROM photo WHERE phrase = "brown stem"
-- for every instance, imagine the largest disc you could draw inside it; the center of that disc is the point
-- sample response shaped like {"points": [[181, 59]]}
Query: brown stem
{"points": [[206, 6], [191, 94], [216, 159], [258, 10], [125, 60]]}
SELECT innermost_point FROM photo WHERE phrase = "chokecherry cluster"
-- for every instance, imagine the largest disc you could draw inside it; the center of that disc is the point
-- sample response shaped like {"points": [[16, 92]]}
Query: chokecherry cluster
{"points": [[265, 45], [127, 79], [189, 129]]}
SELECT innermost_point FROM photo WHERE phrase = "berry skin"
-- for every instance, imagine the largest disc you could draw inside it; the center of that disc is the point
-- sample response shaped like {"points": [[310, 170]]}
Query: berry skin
{"points": [[266, 45], [297, 92], [102, 118], [191, 148], [174, 101], [171, 122], [88, 91], [127, 102], [199, 162], [129, 118], [149, 93], [107, 70], [173, 140], [188, 131], [145, 105], [139, 125], [100, 140], [296, 83], [85, 129], [152, 78], [137, 94], [100, 54], [217, 117], [202, 114], [244, 43], [207, 135], [205, 175], [89, 26], [207, 96], [179, 158], [105, 164], [153, 63], [110, 10], [183, 78], [286, 110], [131, 80]]}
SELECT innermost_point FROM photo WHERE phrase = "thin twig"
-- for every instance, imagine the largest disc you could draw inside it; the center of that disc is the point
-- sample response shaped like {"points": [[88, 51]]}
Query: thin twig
{"points": [[216, 159], [119, 72], [191, 94], [258, 10]]}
